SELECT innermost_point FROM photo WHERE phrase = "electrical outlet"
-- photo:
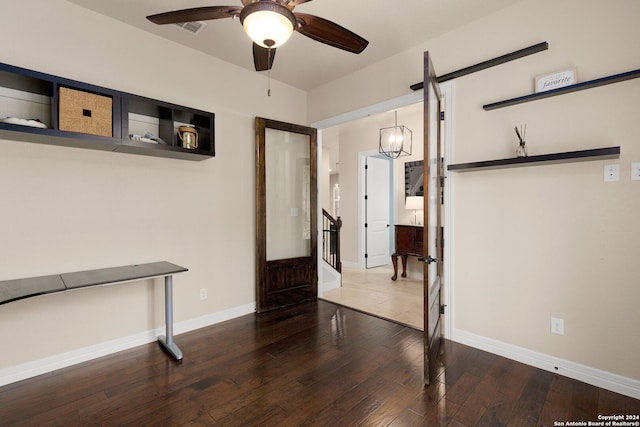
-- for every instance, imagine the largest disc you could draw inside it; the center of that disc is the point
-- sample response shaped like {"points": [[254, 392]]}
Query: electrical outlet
{"points": [[611, 173], [203, 294], [557, 326], [635, 171]]}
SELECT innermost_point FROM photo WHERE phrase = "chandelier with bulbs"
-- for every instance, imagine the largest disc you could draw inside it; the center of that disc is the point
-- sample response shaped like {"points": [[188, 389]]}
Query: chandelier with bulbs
{"points": [[395, 141]]}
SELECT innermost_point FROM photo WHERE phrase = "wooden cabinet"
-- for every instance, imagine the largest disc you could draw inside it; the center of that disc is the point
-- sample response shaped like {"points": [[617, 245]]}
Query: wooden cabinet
{"points": [[409, 241], [30, 111]]}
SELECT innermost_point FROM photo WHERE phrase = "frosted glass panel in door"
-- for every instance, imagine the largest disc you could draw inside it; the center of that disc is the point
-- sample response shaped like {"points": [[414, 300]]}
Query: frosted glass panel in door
{"points": [[287, 186], [433, 191]]}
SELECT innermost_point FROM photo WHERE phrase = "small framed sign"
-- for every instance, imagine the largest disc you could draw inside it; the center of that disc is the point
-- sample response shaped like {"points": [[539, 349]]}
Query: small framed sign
{"points": [[556, 80]]}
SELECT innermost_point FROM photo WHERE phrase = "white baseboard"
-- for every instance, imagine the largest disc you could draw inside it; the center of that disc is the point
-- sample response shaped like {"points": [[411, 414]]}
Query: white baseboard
{"points": [[328, 286], [350, 264], [213, 318], [63, 360], [331, 279], [603, 379]]}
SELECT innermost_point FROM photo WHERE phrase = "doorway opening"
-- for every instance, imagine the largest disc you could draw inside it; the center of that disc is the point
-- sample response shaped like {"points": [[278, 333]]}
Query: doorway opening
{"points": [[341, 140]]}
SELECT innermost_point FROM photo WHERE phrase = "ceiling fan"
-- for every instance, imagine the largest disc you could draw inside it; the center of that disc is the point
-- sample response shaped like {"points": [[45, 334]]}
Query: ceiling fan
{"points": [[270, 23]]}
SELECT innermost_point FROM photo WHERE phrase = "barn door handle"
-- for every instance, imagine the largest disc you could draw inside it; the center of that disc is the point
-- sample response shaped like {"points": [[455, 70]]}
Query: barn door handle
{"points": [[428, 259]]}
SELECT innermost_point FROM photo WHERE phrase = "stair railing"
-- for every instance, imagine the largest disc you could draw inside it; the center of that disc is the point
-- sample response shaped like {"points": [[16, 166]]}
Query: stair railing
{"points": [[331, 240]]}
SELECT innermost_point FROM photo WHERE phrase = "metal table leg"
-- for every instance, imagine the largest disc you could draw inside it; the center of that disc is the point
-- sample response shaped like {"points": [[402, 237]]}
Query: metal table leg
{"points": [[167, 341]]}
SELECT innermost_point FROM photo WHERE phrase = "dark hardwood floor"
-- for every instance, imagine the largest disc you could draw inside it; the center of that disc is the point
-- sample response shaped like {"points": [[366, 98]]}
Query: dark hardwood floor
{"points": [[313, 364]]}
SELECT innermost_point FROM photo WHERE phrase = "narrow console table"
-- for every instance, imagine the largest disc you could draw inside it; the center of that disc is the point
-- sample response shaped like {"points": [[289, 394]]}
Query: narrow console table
{"points": [[13, 290], [409, 241]]}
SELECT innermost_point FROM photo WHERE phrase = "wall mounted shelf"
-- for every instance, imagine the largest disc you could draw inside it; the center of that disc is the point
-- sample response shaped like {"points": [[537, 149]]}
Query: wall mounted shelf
{"points": [[487, 64], [544, 159], [34, 99], [567, 89]]}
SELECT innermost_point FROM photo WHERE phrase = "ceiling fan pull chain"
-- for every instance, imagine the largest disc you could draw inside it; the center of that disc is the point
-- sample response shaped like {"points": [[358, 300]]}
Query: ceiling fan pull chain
{"points": [[269, 73]]}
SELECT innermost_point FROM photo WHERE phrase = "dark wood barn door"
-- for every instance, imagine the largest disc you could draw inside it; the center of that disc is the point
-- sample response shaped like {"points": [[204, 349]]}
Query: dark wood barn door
{"points": [[286, 217], [433, 267]]}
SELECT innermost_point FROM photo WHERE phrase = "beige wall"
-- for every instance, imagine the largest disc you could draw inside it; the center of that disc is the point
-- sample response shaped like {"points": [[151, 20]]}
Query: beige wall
{"points": [[532, 243], [66, 209]]}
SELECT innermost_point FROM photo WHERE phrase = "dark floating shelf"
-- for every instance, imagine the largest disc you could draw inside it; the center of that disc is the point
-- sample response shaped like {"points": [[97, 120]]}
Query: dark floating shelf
{"points": [[566, 157], [567, 89], [487, 64]]}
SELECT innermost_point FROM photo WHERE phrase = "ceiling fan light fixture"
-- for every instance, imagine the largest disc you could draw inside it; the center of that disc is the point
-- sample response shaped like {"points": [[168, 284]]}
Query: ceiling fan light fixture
{"points": [[268, 24]]}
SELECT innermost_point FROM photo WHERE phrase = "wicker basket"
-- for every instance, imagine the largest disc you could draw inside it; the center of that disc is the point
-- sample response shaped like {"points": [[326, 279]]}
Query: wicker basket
{"points": [[85, 112]]}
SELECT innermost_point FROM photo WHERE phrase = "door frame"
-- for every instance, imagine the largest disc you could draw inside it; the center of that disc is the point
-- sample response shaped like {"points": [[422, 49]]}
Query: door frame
{"points": [[447, 89], [305, 286]]}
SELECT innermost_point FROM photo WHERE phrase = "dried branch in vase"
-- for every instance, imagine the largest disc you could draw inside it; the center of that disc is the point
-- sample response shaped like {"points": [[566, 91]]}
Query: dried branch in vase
{"points": [[521, 151]]}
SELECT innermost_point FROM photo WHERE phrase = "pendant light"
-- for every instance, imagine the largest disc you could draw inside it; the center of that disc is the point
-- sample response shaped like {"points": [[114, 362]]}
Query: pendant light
{"points": [[395, 141]]}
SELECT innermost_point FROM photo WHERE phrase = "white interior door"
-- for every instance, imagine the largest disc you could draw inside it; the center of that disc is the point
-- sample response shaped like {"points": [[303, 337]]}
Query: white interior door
{"points": [[377, 212]]}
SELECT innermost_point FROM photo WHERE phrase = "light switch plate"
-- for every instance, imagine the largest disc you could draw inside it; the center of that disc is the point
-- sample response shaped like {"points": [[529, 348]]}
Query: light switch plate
{"points": [[557, 326], [635, 171], [611, 173]]}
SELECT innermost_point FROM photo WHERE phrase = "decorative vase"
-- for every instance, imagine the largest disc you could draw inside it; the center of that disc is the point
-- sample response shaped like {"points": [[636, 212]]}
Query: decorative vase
{"points": [[521, 151]]}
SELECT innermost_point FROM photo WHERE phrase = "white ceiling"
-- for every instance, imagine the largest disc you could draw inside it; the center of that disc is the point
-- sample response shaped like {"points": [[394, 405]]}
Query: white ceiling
{"points": [[390, 26]]}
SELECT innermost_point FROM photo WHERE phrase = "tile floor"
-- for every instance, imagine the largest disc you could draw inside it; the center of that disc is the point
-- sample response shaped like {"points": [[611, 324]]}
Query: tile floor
{"points": [[372, 291]]}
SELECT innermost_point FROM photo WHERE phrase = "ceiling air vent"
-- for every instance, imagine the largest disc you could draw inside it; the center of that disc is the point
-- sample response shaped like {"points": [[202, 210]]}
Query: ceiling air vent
{"points": [[192, 27]]}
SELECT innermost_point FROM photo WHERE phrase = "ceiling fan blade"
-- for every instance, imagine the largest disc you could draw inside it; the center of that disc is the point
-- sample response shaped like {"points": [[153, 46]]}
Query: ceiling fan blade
{"points": [[263, 57], [195, 14], [293, 3], [330, 33]]}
